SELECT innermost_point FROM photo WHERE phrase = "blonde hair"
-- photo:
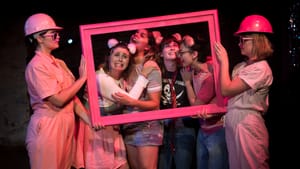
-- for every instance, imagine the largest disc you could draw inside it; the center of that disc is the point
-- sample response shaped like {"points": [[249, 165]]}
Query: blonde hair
{"points": [[262, 47]]}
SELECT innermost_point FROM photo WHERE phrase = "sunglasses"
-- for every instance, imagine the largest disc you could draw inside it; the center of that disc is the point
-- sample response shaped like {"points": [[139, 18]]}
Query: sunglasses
{"points": [[53, 35], [244, 39]]}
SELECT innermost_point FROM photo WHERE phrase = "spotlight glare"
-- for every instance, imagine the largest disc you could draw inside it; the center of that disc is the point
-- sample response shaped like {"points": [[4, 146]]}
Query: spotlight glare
{"points": [[70, 41]]}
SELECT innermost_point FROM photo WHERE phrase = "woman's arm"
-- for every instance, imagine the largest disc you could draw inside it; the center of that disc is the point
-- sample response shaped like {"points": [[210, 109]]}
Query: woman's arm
{"points": [[228, 87], [64, 96], [186, 75], [153, 91], [107, 87], [151, 104], [81, 111]]}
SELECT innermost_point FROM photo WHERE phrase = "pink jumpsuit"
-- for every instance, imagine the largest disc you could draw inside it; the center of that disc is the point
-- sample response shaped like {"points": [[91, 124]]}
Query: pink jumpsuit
{"points": [[50, 133], [246, 134]]}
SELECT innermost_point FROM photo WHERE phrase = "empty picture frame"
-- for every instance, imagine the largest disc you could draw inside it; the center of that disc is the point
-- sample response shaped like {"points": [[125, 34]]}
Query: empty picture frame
{"points": [[94, 37]]}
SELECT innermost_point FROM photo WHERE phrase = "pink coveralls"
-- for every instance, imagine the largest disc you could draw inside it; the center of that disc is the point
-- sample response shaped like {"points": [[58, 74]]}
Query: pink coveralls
{"points": [[50, 133]]}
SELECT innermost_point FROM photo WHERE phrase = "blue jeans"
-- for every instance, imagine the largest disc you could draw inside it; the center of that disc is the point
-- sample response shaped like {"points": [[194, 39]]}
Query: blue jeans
{"points": [[183, 155], [211, 150]]}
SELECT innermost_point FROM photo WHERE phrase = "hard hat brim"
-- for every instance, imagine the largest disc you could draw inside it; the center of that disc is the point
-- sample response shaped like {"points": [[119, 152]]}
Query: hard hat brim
{"points": [[51, 28]]}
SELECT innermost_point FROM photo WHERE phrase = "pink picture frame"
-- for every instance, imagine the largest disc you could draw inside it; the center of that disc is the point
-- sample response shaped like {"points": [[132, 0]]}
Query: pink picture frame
{"points": [[94, 36]]}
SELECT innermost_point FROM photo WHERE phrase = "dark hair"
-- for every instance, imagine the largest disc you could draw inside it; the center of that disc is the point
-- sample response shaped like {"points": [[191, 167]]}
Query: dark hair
{"points": [[165, 41], [152, 53], [111, 50], [31, 44], [198, 45], [168, 40]]}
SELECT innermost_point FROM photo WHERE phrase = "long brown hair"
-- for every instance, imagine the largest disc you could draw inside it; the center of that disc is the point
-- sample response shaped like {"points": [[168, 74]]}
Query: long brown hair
{"points": [[153, 52]]}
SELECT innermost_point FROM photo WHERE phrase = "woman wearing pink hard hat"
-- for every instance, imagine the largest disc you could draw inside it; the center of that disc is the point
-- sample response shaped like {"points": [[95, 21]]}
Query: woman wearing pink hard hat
{"points": [[52, 90], [246, 134]]}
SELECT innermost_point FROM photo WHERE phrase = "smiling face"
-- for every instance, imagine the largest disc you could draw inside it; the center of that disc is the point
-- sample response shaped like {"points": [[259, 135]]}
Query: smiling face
{"points": [[169, 51]]}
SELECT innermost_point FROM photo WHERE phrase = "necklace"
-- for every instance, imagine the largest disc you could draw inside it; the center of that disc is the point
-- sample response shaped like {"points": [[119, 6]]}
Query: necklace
{"points": [[172, 89]]}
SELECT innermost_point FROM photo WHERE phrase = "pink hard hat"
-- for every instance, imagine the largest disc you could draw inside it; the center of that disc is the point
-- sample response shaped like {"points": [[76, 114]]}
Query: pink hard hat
{"points": [[254, 23], [39, 22]]}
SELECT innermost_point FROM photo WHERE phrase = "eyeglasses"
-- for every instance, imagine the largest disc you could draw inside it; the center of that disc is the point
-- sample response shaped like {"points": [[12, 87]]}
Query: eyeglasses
{"points": [[183, 52], [53, 35], [244, 39]]}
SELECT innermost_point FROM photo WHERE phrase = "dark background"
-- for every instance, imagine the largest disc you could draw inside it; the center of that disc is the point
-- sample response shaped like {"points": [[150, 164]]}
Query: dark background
{"points": [[281, 118]]}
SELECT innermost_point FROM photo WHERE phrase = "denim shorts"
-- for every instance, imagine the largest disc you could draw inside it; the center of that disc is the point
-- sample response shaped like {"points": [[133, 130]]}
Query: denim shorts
{"points": [[148, 133]]}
